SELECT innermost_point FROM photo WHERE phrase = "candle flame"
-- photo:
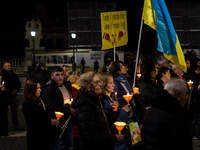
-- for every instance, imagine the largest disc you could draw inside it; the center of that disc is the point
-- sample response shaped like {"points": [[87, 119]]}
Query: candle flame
{"points": [[127, 94], [71, 99]]}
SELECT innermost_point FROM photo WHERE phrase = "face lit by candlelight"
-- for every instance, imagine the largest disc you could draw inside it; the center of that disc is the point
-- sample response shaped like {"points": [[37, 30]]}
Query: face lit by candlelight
{"points": [[38, 90], [110, 85]]}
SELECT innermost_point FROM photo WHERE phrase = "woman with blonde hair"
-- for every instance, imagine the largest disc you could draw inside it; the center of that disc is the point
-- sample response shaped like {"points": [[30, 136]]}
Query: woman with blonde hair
{"points": [[107, 88], [74, 82], [93, 124]]}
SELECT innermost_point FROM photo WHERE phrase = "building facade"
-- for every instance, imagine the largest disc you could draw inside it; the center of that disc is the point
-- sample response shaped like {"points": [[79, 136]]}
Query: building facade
{"points": [[84, 20]]}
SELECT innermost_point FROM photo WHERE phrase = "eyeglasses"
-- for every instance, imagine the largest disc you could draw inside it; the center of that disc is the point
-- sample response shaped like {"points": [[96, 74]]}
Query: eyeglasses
{"points": [[97, 82]]}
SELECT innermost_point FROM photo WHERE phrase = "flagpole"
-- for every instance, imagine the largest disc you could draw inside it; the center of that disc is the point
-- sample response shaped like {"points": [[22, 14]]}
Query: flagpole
{"points": [[114, 53], [138, 50]]}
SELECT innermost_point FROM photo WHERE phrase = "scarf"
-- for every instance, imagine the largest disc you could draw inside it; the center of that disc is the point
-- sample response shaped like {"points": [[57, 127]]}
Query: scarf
{"points": [[122, 80], [109, 94], [75, 86]]}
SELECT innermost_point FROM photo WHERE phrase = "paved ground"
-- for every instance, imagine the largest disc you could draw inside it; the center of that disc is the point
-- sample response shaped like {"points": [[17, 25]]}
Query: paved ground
{"points": [[17, 139]]}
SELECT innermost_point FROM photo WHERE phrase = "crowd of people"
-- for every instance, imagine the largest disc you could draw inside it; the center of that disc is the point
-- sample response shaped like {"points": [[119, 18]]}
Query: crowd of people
{"points": [[91, 102]]}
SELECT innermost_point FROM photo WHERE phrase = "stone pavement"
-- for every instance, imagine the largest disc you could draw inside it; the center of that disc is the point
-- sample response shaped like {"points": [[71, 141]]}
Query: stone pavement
{"points": [[17, 139]]}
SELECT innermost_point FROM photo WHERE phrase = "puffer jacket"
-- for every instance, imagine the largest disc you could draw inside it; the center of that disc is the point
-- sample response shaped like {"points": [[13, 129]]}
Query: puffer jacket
{"points": [[122, 87], [93, 125]]}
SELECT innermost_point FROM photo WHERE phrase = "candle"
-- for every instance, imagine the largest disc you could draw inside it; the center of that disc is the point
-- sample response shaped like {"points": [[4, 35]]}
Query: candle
{"points": [[3, 84], [138, 75], [115, 98], [119, 125], [115, 94], [58, 114], [70, 102], [136, 90], [128, 97], [190, 83]]}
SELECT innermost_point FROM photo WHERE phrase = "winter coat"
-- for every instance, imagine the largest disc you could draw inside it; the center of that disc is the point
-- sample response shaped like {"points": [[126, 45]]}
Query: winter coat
{"points": [[122, 87], [93, 125], [165, 125], [53, 100], [11, 82], [123, 116], [39, 135]]}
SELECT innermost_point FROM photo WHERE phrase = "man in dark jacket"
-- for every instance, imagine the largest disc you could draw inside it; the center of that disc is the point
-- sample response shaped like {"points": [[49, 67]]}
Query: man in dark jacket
{"points": [[13, 85], [56, 97], [165, 123]]}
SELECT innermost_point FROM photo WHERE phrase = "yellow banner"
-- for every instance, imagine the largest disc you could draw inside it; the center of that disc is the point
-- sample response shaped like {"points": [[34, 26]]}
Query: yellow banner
{"points": [[114, 29]]}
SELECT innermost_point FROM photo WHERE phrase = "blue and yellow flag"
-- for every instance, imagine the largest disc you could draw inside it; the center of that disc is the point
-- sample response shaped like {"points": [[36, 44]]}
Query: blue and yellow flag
{"points": [[155, 14]]}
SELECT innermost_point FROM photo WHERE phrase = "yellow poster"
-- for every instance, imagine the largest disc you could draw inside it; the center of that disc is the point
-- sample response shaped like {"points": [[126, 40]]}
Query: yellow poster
{"points": [[114, 29]]}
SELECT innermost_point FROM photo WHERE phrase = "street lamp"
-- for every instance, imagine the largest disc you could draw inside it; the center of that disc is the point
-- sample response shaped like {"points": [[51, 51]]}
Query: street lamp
{"points": [[73, 35], [33, 33]]}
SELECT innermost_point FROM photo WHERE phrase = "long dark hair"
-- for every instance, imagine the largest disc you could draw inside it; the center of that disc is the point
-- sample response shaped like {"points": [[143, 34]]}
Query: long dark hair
{"points": [[114, 68], [146, 71]]}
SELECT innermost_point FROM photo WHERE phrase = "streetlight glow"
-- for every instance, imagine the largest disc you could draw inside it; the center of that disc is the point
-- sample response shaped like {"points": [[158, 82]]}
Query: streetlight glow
{"points": [[33, 33], [73, 35]]}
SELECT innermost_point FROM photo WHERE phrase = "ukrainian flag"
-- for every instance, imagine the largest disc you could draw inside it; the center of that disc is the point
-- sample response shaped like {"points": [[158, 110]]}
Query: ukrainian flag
{"points": [[155, 14]]}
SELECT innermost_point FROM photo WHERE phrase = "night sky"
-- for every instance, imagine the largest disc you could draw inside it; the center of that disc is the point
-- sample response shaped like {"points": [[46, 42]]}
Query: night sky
{"points": [[14, 16]]}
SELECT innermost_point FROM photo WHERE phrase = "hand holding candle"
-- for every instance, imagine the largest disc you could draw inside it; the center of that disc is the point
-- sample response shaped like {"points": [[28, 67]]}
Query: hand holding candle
{"points": [[119, 125], [135, 90], [128, 97]]}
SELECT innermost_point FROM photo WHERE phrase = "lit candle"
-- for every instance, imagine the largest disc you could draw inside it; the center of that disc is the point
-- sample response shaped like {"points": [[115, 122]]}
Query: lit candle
{"points": [[138, 75], [70, 102], [136, 90], [3, 84], [115, 94], [58, 114], [119, 125], [128, 97], [190, 83]]}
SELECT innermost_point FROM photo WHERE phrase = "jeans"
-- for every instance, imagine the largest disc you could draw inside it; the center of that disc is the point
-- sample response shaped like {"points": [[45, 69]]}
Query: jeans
{"points": [[66, 141]]}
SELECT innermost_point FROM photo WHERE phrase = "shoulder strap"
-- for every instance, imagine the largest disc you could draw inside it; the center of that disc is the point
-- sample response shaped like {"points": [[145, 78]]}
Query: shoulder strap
{"points": [[42, 103], [124, 87]]}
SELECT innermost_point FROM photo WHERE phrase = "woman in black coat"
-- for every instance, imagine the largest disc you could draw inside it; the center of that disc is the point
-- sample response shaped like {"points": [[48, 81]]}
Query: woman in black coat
{"points": [[93, 124], [38, 122], [165, 125]]}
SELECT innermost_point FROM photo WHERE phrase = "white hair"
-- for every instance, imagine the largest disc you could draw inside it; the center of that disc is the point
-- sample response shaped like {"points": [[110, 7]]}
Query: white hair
{"points": [[174, 66], [174, 85], [161, 60]]}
